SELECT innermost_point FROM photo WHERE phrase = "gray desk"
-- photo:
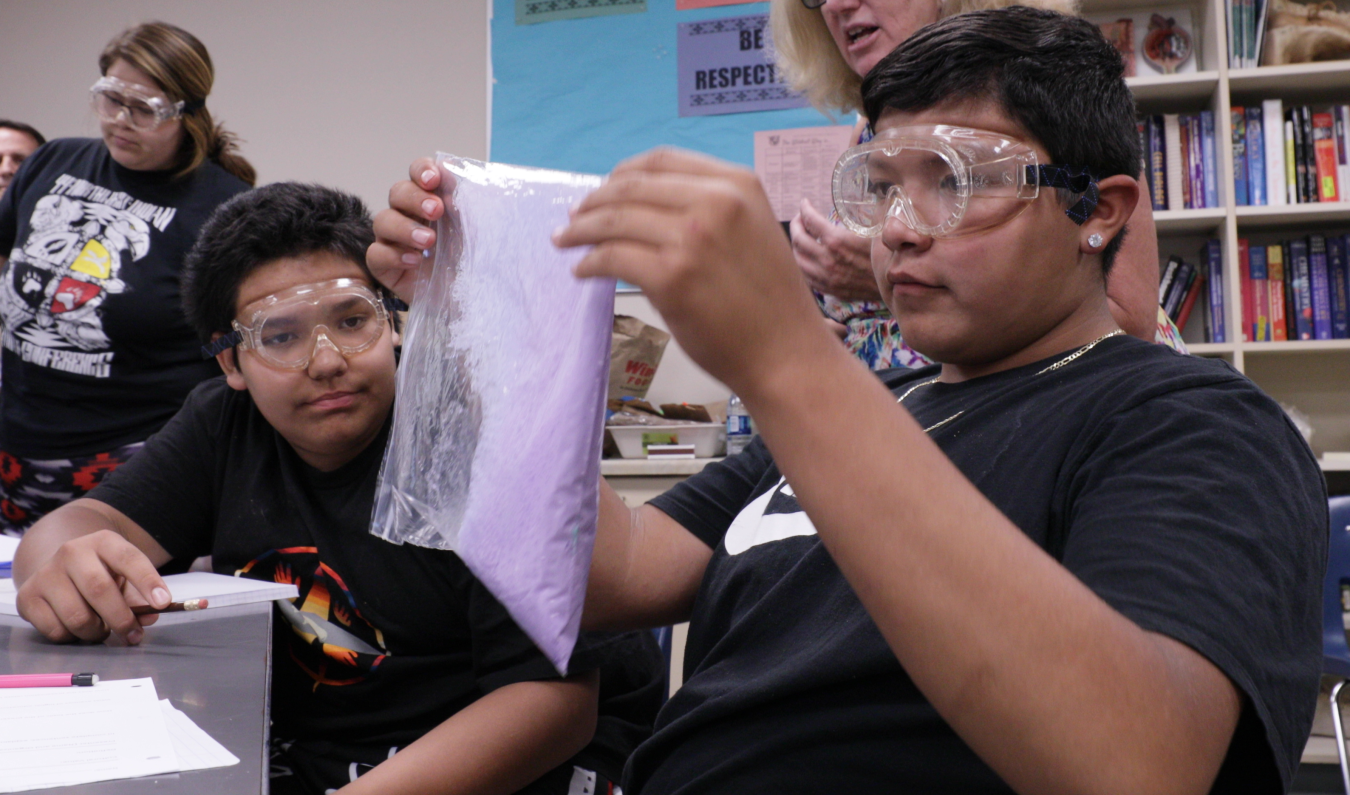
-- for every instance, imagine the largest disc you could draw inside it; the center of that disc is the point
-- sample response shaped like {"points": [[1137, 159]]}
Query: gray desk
{"points": [[214, 665]]}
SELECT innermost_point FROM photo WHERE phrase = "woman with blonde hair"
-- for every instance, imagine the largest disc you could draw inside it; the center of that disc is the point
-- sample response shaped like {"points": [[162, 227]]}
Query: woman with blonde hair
{"points": [[824, 48], [97, 354]]}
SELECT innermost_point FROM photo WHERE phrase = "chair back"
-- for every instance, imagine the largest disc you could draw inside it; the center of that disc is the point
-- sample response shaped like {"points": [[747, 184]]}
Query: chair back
{"points": [[1338, 569], [664, 638]]}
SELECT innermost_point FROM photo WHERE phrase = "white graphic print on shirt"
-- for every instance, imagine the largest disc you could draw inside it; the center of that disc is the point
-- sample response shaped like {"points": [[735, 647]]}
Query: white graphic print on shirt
{"points": [[59, 277], [772, 516]]}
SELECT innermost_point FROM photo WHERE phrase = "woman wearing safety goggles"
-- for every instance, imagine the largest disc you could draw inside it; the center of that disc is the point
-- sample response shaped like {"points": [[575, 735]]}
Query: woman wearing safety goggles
{"points": [[825, 47], [142, 108], [91, 312]]}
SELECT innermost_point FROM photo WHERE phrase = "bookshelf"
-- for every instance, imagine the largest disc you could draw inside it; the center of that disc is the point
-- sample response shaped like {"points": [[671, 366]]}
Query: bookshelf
{"points": [[1313, 376]]}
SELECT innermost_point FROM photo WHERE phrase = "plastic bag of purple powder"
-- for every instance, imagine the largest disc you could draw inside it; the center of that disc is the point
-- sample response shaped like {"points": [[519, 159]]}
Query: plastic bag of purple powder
{"points": [[495, 447]]}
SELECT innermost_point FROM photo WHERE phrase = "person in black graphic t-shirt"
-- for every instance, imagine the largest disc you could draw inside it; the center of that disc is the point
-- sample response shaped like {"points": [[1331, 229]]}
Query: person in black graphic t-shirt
{"points": [[1067, 561], [97, 355], [394, 663]]}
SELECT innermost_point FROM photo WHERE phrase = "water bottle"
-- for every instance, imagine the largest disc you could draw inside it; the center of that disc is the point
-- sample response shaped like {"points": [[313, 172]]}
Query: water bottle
{"points": [[739, 429]]}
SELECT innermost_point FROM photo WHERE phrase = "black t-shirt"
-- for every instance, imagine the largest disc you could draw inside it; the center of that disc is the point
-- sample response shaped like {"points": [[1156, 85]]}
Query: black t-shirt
{"points": [[385, 641], [1171, 486], [97, 353]]}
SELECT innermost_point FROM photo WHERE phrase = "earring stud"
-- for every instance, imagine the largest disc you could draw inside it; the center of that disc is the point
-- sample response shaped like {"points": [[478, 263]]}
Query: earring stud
{"points": [[1095, 240]]}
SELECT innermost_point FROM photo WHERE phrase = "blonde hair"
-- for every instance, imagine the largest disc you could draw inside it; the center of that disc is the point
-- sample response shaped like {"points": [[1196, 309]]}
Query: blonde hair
{"points": [[180, 65], [811, 63]]}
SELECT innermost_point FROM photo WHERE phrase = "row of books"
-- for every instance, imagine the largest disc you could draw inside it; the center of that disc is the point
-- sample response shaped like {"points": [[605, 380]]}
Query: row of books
{"points": [[1179, 159], [1246, 30], [1183, 283], [1295, 156], [1296, 289]]}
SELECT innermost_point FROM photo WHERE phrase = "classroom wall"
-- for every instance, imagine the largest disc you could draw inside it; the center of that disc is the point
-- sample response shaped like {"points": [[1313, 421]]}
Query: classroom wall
{"points": [[342, 92]]}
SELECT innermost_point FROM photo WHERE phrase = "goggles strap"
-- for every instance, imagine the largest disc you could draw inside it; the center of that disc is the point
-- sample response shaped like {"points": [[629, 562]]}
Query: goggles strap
{"points": [[221, 344], [193, 106], [1073, 179]]}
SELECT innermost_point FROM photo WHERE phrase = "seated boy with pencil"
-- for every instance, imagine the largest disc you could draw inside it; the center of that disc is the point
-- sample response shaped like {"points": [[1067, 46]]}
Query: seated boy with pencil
{"points": [[394, 662], [1064, 560]]}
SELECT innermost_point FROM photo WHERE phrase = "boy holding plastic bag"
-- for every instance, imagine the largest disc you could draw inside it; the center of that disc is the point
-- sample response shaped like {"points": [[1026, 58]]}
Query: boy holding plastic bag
{"points": [[395, 663], [1066, 561]]}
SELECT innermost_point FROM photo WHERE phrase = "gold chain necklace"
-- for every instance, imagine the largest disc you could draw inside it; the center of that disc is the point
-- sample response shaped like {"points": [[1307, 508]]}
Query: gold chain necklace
{"points": [[1054, 366]]}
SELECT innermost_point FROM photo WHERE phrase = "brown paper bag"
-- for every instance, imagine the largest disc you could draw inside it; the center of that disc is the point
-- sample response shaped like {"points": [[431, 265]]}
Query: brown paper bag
{"points": [[633, 356]]}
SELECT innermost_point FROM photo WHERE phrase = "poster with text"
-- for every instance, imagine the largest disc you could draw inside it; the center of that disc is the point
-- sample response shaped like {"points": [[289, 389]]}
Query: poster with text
{"points": [[529, 12], [725, 67], [799, 164]]}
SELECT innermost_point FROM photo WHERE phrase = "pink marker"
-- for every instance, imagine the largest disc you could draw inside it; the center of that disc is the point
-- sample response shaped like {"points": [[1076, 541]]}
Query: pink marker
{"points": [[49, 680]]}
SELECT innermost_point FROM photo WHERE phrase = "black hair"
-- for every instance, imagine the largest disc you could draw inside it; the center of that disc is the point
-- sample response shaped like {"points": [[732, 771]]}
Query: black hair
{"points": [[26, 129], [1055, 75], [284, 219]]}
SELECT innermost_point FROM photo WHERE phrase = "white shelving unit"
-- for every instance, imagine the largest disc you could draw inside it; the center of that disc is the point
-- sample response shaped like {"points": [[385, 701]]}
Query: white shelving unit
{"points": [[1312, 376]]}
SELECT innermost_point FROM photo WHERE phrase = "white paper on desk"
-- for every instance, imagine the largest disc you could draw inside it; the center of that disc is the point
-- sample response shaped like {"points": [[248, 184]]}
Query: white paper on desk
{"points": [[221, 591], [799, 164], [8, 546], [196, 749], [59, 736]]}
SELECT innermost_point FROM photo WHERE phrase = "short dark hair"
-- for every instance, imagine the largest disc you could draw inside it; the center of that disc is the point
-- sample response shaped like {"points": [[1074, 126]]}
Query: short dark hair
{"points": [[284, 219], [26, 129], [1055, 75]]}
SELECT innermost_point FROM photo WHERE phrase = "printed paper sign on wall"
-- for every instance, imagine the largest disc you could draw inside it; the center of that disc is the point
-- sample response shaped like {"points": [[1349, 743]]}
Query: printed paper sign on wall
{"points": [[797, 164], [725, 67], [529, 12]]}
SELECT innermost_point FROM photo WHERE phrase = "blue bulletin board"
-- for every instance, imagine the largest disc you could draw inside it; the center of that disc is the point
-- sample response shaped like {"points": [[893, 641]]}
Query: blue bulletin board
{"points": [[583, 94]]}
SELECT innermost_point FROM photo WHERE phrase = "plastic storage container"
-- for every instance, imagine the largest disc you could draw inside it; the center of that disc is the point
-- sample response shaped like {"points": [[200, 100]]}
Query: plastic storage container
{"points": [[707, 438]]}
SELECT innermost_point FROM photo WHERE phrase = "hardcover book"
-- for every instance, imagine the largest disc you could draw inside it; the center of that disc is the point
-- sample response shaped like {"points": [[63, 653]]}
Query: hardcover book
{"points": [[1240, 189], [1260, 295], [1192, 295], [1320, 276], [1296, 156], [1291, 176], [1279, 331], [1324, 150], [1212, 255], [1245, 287], [1272, 124], [1300, 285], [1188, 193], [1309, 154], [1176, 188], [1157, 162], [1337, 271], [1208, 159], [1256, 160], [1177, 292]]}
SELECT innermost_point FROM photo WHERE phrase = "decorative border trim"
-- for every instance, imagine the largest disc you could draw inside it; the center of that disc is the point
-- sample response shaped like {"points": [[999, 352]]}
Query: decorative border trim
{"points": [[539, 7], [741, 95], [735, 24]]}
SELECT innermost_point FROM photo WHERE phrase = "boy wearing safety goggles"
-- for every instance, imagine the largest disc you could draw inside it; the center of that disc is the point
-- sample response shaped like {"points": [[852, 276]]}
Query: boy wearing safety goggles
{"points": [[1064, 560], [394, 662]]}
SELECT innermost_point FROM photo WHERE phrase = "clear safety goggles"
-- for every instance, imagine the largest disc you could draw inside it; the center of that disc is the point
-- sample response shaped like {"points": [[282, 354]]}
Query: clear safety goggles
{"points": [[144, 108], [945, 181], [287, 329]]}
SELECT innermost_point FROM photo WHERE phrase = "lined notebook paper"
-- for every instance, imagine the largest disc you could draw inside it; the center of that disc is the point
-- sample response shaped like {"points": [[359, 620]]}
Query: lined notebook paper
{"points": [[56, 736], [61, 736]]}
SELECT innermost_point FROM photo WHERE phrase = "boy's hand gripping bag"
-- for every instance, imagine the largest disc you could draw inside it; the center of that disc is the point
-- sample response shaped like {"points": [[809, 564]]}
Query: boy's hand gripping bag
{"points": [[495, 447]]}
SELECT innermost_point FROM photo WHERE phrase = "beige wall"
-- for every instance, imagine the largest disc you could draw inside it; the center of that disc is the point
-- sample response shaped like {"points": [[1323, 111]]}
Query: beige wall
{"points": [[341, 92]]}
